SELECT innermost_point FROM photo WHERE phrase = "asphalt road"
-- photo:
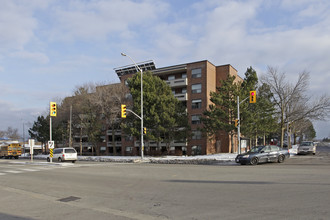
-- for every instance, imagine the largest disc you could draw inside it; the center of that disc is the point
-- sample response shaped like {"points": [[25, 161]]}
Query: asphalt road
{"points": [[297, 189]]}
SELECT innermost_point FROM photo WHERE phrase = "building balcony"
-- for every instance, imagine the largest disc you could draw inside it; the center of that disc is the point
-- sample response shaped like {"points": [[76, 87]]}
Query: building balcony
{"points": [[117, 132], [177, 82], [181, 96], [117, 144], [154, 144]]}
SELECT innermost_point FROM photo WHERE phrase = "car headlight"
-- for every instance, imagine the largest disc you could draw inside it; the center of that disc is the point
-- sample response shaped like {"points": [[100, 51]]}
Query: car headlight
{"points": [[246, 156]]}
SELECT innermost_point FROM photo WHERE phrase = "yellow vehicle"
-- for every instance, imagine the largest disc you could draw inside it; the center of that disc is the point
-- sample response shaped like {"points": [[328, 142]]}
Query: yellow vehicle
{"points": [[13, 150]]}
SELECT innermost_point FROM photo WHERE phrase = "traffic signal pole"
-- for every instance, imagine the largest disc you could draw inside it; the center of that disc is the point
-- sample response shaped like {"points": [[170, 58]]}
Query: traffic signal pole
{"points": [[50, 135], [52, 113], [253, 99], [238, 127], [239, 124]]}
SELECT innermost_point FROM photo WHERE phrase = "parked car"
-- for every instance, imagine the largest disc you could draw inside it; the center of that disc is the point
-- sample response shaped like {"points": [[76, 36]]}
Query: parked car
{"points": [[263, 154], [307, 147], [64, 154]]}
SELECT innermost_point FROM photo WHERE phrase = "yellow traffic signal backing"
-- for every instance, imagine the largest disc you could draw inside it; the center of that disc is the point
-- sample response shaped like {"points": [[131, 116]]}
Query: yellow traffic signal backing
{"points": [[253, 96], [236, 123], [123, 111], [53, 109]]}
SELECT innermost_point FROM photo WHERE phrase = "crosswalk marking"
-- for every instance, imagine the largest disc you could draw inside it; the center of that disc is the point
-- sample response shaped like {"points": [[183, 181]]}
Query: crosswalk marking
{"points": [[30, 170], [19, 168], [13, 171]]}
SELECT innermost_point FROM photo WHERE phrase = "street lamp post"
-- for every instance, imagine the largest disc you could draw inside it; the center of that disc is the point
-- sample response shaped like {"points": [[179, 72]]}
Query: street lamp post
{"points": [[139, 69]]}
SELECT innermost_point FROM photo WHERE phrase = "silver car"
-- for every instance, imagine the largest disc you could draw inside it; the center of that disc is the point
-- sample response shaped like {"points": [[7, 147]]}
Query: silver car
{"points": [[263, 154], [64, 154], [307, 147]]}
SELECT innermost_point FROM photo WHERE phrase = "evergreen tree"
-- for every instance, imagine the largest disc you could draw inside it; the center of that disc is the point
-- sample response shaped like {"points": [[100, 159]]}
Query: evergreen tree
{"points": [[222, 113], [164, 117], [40, 130], [256, 119]]}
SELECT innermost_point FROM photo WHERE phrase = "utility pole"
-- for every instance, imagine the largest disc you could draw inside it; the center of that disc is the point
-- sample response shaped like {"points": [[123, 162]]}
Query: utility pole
{"points": [[140, 70], [253, 99], [70, 135], [238, 127]]}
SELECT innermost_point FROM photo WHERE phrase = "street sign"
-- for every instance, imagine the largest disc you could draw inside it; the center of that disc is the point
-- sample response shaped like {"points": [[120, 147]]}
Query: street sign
{"points": [[51, 152], [50, 144], [31, 144]]}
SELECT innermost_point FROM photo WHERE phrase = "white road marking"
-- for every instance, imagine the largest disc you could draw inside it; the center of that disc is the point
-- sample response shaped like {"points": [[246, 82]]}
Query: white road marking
{"points": [[12, 171], [30, 170]]}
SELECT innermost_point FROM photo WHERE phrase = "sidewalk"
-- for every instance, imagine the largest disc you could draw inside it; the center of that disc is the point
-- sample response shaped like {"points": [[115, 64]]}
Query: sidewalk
{"points": [[200, 159]]}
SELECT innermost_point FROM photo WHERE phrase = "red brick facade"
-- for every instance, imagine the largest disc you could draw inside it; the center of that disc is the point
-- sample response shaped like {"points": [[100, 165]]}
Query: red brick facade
{"points": [[192, 84]]}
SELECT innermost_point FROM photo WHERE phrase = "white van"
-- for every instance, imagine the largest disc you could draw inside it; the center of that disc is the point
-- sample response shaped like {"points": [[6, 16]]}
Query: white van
{"points": [[64, 154]]}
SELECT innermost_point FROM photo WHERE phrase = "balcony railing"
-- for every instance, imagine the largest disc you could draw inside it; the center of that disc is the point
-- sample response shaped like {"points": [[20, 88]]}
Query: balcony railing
{"points": [[177, 82], [117, 132], [117, 143], [154, 144], [181, 96]]}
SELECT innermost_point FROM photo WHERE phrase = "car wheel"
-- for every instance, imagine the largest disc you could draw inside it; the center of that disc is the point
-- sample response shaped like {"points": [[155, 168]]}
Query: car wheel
{"points": [[254, 161], [48, 159], [59, 159], [73, 161], [281, 159]]}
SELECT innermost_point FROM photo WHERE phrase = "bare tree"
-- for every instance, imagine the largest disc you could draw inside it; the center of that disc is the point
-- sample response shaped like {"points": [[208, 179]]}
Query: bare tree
{"points": [[11, 133], [85, 120], [293, 103], [108, 99]]}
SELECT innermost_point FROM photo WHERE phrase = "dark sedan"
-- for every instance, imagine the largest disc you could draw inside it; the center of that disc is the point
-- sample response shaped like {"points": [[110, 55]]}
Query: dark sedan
{"points": [[263, 154]]}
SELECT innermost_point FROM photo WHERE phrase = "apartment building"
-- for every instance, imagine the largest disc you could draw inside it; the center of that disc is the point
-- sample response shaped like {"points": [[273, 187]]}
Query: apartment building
{"points": [[191, 83]]}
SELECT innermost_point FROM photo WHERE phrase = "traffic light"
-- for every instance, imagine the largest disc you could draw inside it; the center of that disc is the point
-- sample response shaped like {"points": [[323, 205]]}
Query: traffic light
{"points": [[53, 109], [253, 96], [236, 123], [123, 111], [144, 130]]}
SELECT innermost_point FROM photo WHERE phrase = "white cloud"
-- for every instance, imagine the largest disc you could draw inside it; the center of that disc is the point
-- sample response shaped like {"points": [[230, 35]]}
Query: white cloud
{"points": [[17, 25], [290, 34], [97, 19], [34, 56]]}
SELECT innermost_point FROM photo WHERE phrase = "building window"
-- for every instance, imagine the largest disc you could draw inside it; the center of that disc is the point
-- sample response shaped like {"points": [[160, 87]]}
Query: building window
{"points": [[196, 135], [184, 75], [196, 150], [196, 88], [171, 77], [195, 119], [184, 90], [196, 103], [128, 138], [196, 73], [129, 149]]}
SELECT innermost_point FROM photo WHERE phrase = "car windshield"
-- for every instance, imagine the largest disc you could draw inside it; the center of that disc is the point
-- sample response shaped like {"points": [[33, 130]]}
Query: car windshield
{"points": [[257, 149], [306, 144]]}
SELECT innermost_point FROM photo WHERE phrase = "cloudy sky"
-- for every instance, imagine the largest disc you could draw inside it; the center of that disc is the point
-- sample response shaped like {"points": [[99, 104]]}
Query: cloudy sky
{"points": [[47, 47]]}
